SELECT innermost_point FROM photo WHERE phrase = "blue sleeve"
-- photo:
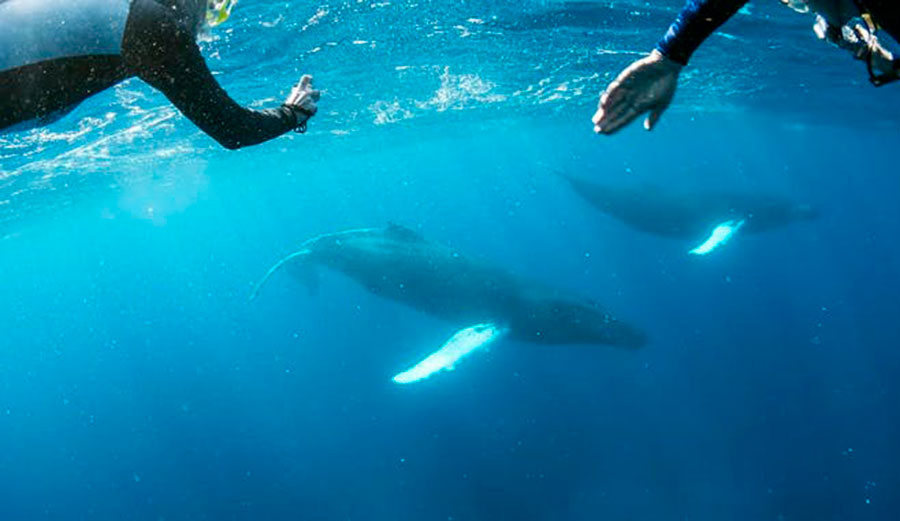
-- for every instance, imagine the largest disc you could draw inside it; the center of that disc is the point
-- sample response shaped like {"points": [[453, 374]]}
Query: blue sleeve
{"points": [[695, 23]]}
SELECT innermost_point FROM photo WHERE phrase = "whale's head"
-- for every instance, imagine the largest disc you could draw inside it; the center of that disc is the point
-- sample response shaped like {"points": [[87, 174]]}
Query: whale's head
{"points": [[570, 321], [776, 212]]}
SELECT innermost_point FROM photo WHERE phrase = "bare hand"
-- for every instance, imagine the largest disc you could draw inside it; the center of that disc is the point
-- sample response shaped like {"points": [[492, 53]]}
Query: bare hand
{"points": [[303, 96], [859, 41], [647, 85], [881, 59]]}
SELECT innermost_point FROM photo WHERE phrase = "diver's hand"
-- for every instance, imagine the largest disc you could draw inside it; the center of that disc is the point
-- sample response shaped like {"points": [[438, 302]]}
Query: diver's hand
{"points": [[859, 41], [647, 85], [881, 59], [302, 100]]}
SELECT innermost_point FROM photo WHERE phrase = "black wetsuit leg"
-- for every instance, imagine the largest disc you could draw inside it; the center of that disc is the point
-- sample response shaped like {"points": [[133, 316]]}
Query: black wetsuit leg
{"points": [[40, 90], [160, 47]]}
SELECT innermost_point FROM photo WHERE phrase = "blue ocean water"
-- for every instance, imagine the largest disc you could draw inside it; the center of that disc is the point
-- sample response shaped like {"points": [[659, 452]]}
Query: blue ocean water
{"points": [[138, 383]]}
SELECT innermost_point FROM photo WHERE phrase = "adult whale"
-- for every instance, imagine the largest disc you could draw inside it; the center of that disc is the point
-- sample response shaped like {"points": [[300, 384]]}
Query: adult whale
{"points": [[397, 263], [692, 216]]}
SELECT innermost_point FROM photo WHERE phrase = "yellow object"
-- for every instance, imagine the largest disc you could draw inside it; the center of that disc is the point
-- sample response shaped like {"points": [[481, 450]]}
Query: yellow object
{"points": [[217, 11], [873, 26]]}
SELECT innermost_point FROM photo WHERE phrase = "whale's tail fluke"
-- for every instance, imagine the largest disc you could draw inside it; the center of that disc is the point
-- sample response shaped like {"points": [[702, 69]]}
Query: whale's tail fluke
{"points": [[278, 265]]}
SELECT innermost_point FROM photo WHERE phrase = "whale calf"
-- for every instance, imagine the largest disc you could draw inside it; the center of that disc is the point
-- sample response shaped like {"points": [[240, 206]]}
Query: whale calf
{"points": [[692, 216], [488, 302]]}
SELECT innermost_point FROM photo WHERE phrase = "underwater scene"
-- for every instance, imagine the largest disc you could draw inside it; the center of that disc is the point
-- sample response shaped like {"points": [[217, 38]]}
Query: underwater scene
{"points": [[449, 298]]}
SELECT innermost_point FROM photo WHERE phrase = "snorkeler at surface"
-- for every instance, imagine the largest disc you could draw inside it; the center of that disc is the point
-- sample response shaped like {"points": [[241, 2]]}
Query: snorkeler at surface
{"points": [[648, 85], [56, 53]]}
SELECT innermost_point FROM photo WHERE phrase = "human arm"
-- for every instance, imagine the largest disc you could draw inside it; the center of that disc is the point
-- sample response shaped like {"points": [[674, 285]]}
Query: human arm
{"points": [[161, 50], [648, 85]]}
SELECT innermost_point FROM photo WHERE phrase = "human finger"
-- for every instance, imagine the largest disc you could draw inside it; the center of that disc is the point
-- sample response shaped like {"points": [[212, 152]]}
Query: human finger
{"points": [[613, 95], [614, 124], [613, 111], [653, 117]]}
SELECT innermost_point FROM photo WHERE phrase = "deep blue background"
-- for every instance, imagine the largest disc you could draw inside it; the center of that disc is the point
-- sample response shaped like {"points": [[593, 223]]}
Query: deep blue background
{"points": [[137, 382]]}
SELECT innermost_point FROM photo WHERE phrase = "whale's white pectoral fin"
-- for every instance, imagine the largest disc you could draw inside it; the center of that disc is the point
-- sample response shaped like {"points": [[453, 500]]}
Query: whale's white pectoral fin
{"points": [[719, 236], [461, 344]]}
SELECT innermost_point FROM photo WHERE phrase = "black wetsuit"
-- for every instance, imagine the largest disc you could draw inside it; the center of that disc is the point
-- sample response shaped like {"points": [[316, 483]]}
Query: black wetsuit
{"points": [[53, 56], [700, 18]]}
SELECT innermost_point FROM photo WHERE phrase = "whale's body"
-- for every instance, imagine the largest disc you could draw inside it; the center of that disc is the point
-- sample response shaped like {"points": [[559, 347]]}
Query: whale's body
{"points": [[399, 264], [690, 215]]}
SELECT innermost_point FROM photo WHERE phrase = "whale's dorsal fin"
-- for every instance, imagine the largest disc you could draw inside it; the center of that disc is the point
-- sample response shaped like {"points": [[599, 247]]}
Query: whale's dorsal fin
{"points": [[403, 233]]}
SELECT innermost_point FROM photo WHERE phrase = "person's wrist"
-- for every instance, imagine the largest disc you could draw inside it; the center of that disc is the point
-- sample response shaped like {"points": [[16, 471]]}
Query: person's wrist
{"points": [[301, 116], [658, 57]]}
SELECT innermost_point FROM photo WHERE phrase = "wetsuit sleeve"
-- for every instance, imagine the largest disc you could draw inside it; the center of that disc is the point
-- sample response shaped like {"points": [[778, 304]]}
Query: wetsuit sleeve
{"points": [[696, 21], [160, 50]]}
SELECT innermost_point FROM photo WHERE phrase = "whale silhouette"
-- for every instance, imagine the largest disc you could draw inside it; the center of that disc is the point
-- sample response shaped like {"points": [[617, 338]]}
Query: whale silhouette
{"points": [[397, 263], [692, 216]]}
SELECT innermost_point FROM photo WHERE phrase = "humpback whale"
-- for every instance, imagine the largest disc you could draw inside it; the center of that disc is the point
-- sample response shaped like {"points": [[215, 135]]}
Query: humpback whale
{"points": [[399, 264], [692, 216]]}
